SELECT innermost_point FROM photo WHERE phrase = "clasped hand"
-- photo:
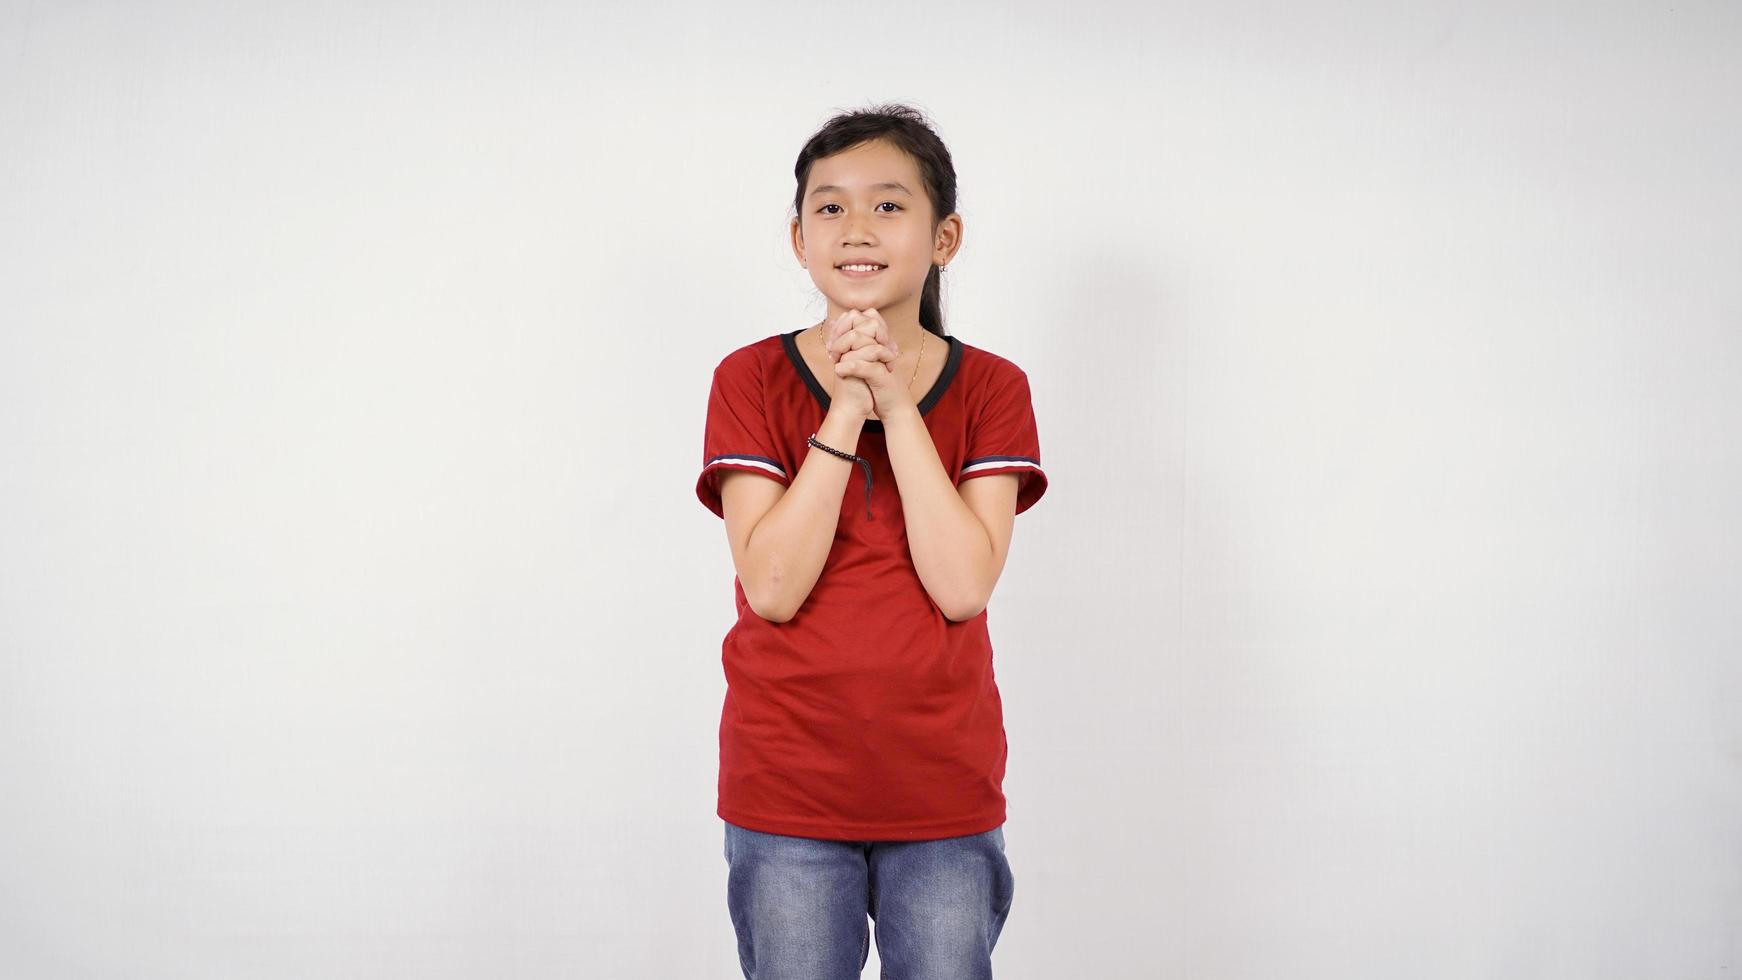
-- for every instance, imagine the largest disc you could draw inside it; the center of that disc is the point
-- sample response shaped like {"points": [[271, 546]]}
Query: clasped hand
{"points": [[864, 354]]}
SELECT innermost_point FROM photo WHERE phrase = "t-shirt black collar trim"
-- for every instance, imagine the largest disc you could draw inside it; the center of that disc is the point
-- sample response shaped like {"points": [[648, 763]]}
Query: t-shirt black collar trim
{"points": [[951, 362]]}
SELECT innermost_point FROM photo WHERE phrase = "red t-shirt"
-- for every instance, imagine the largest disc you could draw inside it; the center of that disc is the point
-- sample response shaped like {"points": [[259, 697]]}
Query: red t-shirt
{"points": [[867, 715]]}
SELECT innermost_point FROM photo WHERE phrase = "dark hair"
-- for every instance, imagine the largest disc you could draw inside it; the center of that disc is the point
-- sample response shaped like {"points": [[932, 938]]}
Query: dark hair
{"points": [[905, 128]]}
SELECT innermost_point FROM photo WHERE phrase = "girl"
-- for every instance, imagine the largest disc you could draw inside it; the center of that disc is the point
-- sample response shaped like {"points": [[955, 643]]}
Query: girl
{"points": [[862, 743]]}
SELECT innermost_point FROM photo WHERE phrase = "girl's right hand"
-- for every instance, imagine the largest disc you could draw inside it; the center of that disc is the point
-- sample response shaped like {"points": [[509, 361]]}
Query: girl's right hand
{"points": [[853, 396]]}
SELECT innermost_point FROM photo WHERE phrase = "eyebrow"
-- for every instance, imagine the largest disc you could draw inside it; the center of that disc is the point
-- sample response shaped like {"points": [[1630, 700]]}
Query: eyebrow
{"points": [[885, 186]]}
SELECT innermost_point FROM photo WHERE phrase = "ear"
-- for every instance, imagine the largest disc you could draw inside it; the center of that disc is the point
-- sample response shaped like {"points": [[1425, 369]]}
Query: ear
{"points": [[797, 234], [949, 238]]}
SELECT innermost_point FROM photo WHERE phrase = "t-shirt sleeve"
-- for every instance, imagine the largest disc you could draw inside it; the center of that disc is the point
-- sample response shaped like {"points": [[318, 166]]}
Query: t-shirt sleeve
{"points": [[1004, 439], [737, 435]]}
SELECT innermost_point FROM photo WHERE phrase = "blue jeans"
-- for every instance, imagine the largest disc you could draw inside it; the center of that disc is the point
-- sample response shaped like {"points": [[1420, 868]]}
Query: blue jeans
{"points": [[799, 904]]}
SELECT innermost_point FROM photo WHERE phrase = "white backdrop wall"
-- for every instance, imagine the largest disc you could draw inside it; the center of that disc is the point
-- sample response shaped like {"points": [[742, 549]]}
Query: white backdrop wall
{"points": [[357, 617]]}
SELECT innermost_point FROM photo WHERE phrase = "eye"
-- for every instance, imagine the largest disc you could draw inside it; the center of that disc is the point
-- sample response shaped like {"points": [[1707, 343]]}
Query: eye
{"points": [[825, 208]]}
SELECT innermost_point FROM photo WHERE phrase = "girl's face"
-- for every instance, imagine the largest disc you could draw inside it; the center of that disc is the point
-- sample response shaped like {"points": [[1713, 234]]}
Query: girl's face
{"points": [[868, 205]]}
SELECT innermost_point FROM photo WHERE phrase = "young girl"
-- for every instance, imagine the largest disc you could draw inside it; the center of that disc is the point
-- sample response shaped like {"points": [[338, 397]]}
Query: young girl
{"points": [[862, 743]]}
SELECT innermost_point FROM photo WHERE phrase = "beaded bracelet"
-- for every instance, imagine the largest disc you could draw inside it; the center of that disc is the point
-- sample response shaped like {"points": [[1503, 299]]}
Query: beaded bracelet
{"points": [[862, 461]]}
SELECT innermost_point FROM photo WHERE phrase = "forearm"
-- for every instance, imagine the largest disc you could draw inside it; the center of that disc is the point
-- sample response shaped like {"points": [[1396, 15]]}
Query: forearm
{"points": [[950, 547], [790, 545]]}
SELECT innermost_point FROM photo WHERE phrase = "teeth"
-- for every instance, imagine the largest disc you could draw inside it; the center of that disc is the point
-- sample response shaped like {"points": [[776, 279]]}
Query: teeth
{"points": [[862, 268]]}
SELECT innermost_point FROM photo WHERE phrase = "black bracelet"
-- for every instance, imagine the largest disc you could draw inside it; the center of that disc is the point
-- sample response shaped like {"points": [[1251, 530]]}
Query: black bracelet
{"points": [[862, 461]]}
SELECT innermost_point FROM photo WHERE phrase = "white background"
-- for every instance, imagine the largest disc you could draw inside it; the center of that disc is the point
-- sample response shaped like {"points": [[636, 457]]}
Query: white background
{"points": [[1383, 619]]}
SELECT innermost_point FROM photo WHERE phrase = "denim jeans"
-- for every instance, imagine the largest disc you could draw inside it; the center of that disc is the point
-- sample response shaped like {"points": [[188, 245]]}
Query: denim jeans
{"points": [[799, 905]]}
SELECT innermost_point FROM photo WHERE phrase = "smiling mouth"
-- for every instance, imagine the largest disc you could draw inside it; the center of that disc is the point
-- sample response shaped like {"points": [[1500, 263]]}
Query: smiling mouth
{"points": [[860, 269]]}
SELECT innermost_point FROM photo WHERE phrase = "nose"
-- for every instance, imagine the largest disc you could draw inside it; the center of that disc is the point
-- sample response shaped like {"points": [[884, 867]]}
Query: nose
{"points": [[850, 234]]}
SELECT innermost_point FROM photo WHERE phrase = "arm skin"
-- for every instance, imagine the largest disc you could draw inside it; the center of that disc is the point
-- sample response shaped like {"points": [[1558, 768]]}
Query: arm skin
{"points": [[781, 536], [958, 540]]}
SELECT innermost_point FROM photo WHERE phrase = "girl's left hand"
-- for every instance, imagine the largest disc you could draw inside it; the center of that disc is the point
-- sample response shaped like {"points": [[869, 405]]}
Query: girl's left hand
{"points": [[861, 347]]}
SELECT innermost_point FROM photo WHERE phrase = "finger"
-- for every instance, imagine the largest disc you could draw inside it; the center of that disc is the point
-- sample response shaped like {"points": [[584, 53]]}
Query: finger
{"points": [[880, 329], [863, 370], [851, 369], [873, 325], [859, 336], [838, 330], [868, 350], [876, 331], [869, 354], [857, 341]]}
